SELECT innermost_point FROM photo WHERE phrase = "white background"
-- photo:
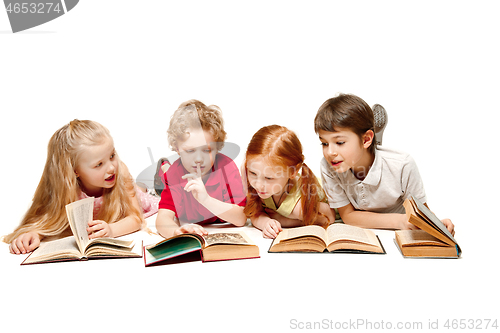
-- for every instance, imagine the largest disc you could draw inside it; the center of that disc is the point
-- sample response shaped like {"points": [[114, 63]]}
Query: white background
{"points": [[433, 65]]}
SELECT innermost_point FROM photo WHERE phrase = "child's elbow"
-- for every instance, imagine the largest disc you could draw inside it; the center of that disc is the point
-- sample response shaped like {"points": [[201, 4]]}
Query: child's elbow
{"points": [[241, 221], [138, 223]]}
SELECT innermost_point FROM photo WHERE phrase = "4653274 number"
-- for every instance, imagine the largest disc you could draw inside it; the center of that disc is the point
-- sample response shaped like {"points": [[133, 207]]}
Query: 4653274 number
{"points": [[34, 7], [471, 324]]}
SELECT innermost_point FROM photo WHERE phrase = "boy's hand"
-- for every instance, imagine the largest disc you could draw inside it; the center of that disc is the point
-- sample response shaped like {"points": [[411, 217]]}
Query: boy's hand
{"points": [[191, 229], [449, 225], [195, 185], [404, 224], [271, 229], [98, 228], [25, 243]]}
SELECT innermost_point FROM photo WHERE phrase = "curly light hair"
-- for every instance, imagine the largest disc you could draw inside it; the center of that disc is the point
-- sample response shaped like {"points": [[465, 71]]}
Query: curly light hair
{"points": [[193, 114]]}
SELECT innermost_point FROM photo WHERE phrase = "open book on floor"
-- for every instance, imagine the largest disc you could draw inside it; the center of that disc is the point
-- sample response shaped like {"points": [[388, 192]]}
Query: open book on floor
{"points": [[79, 246], [338, 237], [433, 240], [191, 247]]}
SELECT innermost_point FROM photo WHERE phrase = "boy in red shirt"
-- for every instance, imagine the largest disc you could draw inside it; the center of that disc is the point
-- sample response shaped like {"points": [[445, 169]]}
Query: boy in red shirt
{"points": [[202, 186]]}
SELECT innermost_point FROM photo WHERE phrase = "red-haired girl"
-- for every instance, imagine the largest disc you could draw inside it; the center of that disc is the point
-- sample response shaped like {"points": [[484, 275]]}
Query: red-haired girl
{"points": [[282, 190]]}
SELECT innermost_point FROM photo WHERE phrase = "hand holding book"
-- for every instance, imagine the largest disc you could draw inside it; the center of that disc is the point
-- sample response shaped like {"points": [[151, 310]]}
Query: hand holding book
{"points": [[405, 224], [449, 225], [98, 228]]}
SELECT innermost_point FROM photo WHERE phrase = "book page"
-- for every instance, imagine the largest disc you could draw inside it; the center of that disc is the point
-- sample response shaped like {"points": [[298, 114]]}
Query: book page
{"points": [[103, 247], [124, 243], [309, 230], [80, 213], [224, 238], [339, 231], [56, 249], [418, 237]]}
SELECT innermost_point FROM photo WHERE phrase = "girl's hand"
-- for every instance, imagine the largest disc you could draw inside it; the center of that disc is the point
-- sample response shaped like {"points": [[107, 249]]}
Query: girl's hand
{"points": [[191, 229], [25, 243], [98, 228], [196, 186], [271, 229], [449, 225]]}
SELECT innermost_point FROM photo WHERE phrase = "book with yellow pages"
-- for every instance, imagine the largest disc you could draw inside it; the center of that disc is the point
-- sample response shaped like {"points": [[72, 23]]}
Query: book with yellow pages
{"points": [[433, 240], [192, 247], [79, 246], [338, 237]]}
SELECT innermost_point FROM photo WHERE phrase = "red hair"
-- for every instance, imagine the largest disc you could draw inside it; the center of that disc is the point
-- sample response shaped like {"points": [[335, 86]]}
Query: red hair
{"points": [[281, 147]]}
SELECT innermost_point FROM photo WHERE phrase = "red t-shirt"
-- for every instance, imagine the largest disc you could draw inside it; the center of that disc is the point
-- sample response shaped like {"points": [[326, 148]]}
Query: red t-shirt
{"points": [[223, 183]]}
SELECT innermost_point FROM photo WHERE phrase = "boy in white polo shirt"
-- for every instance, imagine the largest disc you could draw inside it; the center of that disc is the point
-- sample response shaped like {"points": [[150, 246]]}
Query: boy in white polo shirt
{"points": [[367, 184]]}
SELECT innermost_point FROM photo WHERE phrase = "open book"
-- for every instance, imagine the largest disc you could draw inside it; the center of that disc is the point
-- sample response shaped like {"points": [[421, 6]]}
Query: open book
{"points": [[432, 241], [338, 237], [79, 246], [190, 247]]}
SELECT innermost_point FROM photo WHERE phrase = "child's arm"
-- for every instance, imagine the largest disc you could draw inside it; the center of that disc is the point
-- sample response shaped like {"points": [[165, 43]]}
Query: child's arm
{"points": [[295, 218], [127, 225], [25, 243], [99, 228], [270, 227], [324, 209], [373, 220], [231, 213], [271, 222], [168, 226], [365, 219]]}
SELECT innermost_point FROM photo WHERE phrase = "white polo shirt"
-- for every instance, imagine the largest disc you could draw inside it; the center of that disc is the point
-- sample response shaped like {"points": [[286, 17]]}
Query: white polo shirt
{"points": [[392, 178]]}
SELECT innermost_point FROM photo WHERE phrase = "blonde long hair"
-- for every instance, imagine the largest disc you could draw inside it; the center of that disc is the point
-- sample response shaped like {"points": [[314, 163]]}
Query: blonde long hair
{"points": [[60, 186], [281, 147]]}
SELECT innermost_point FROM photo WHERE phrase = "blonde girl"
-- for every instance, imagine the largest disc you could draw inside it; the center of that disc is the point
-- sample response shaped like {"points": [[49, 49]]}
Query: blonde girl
{"points": [[81, 162], [282, 190]]}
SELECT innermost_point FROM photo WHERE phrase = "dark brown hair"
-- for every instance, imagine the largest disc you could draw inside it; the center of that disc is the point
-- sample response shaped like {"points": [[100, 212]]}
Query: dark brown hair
{"points": [[345, 111]]}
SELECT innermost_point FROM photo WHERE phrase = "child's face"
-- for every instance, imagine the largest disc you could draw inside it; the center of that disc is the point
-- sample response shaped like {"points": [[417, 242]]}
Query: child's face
{"points": [[266, 179], [343, 149], [97, 168], [199, 149]]}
